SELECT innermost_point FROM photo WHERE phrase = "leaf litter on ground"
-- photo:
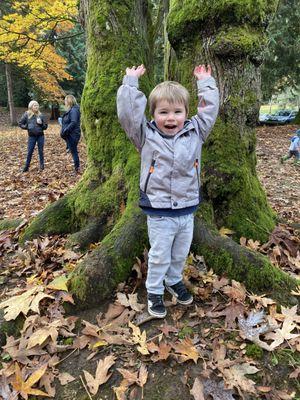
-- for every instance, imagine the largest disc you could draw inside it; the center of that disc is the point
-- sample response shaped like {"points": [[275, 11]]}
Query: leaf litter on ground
{"points": [[213, 333]]}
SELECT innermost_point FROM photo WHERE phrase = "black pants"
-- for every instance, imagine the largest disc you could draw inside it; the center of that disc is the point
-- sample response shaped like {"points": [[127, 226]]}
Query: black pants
{"points": [[72, 143], [32, 140]]}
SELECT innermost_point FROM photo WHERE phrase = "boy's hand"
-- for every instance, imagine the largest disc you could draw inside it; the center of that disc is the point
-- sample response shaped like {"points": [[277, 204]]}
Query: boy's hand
{"points": [[136, 71], [201, 72]]}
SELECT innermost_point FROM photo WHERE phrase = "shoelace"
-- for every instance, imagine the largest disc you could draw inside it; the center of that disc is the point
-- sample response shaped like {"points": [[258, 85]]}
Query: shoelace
{"points": [[180, 288], [157, 300]]}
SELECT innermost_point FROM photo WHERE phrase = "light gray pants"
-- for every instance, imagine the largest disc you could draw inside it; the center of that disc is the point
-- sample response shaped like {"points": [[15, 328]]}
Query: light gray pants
{"points": [[170, 240]]}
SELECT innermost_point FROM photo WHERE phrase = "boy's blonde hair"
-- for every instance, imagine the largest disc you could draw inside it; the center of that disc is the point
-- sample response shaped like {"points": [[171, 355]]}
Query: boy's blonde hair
{"points": [[170, 91], [30, 111], [70, 100]]}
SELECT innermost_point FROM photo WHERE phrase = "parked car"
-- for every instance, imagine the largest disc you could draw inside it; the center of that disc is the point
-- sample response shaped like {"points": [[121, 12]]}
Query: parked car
{"points": [[281, 117], [263, 118]]}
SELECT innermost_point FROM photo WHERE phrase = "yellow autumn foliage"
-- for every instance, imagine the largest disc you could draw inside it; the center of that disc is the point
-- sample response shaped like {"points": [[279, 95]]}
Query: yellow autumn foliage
{"points": [[27, 35]]}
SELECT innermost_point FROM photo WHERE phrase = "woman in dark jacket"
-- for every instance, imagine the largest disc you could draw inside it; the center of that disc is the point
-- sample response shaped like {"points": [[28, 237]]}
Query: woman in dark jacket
{"points": [[70, 130], [35, 123]]}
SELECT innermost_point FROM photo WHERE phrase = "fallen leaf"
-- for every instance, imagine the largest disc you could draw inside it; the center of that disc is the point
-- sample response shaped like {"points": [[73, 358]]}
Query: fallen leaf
{"points": [[139, 338], [235, 377], [25, 387], [101, 375], [59, 283], [65, 378], [186, 350], [197, 390]]}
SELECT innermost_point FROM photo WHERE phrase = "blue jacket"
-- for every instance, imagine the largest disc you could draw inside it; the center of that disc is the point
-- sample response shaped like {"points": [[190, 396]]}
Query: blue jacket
{"points": [[31, 125], [71, 122]]}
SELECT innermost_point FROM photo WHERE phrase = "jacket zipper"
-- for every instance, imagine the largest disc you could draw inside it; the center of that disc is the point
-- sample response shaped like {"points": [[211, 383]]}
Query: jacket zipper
{"points": [[151, 169], [196, 164]]}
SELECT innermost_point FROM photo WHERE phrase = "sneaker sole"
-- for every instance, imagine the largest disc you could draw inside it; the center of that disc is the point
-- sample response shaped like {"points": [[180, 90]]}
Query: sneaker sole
{"points": [[154, 314], [183, 302]]}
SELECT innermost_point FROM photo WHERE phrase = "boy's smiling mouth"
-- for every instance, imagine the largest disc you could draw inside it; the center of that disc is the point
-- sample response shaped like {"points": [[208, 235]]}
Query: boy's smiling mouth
{"points": [[170, 126]]}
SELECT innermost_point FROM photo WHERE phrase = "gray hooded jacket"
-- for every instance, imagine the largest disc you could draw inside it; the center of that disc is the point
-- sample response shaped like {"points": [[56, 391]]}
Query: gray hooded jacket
{"points": [[170, 165]]}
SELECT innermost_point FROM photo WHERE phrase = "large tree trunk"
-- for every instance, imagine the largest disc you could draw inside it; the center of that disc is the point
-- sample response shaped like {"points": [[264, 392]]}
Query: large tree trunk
{"points": [[10, 99], [103, 206], [230, 38]]}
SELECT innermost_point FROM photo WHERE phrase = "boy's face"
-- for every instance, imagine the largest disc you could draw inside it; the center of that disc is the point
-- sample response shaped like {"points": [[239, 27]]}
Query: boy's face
{"points": [[169, 118]]}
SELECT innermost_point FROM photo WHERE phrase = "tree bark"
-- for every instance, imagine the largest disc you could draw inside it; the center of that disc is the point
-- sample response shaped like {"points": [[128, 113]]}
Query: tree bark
{"points": [[103, 206], [10, 99], [229, 36]]}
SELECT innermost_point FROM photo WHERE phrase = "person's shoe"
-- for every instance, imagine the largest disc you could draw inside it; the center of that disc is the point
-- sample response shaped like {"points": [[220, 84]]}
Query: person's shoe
{"points": [[181, 293], [283, 159], [156, 306], [42, 167], [25, 169]]}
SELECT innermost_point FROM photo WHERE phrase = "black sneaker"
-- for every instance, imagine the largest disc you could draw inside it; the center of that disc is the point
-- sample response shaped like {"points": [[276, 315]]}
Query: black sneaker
{"points": [[156, 305], [181, 293]]}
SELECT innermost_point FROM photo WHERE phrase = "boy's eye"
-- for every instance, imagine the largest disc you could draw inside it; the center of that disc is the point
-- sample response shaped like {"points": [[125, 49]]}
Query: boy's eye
{"points": [[178, 112]]}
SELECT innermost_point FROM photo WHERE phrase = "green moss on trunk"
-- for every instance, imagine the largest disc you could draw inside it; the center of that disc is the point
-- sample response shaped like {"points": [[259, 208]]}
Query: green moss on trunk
{"points": [[225, 256], [10, 223], [110, 263], [232, 45]]}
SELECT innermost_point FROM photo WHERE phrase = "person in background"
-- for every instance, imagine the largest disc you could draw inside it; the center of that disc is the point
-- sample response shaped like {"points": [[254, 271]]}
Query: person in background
{"points": [[70, 129], [35, 123], [294, 149]]}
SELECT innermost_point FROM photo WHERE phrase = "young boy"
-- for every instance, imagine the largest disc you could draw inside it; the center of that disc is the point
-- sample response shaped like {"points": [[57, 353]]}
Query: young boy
{"points": [[170, 148], [294, 149]]}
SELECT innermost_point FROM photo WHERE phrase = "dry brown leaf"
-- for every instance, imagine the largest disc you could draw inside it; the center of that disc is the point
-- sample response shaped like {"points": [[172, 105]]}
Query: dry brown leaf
{"points": [[252, 327], [129, 376], [40, 336], [163, 349], [130, 300], [236, 291], [197, 390], [20, 304], [101, 375], [264, 301], [65, 378], [25, 387], [186, 350], [280, 335], [143, 376], [139, 338], [235, 376]]}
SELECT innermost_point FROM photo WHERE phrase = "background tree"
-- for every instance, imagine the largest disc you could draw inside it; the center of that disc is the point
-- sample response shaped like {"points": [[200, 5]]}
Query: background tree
{"points": [[73, 50], [21, 83], [103, 206], [281, 67], [28, 30]]}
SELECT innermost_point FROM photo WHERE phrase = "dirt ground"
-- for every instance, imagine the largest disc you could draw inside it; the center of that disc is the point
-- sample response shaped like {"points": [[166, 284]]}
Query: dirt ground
{"points": [[201, 324]]}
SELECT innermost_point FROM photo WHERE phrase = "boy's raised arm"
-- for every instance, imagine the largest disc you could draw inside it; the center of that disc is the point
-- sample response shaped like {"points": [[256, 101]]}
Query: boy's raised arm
{"points": [[131, 104], [208, 105]]}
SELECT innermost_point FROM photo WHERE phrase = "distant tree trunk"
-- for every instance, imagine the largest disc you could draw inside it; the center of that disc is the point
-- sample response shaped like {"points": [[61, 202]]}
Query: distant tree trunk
{"points": [[12, 111], [54, 111], [103, 206], [297, 119]]}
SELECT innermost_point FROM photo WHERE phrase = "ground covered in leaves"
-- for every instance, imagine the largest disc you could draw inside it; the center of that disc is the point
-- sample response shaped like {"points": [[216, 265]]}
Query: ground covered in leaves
{"points": [[229, 344], [22, 195]]}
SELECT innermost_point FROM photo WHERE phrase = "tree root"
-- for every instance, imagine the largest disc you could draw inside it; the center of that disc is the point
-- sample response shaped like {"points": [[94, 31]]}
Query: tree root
{"points": [[57, 218], [10, 223], [91, 233], [110, 263], [225, 256]]}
